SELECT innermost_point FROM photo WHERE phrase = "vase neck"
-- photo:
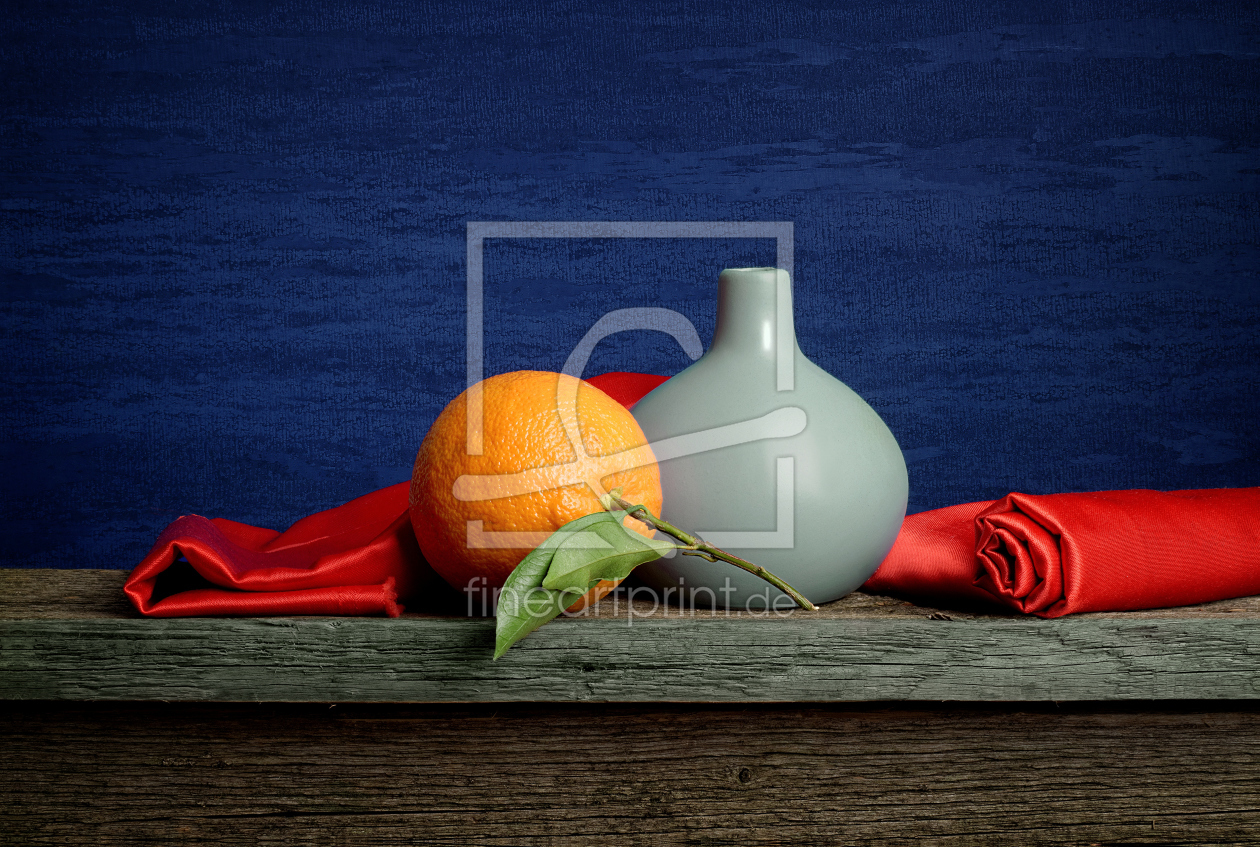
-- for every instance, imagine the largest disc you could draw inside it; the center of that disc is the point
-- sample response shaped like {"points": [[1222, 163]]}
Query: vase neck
{"points": [[748, 319]]}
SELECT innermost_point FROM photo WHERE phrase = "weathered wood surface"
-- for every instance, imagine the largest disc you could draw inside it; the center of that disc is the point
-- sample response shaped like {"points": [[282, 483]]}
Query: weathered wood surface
{"points": [[336, 771], [285, 774], [859, 649], [64, 594]]}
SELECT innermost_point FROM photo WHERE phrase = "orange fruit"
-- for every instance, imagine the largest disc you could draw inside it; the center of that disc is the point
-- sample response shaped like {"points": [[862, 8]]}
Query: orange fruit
{"points": [[543, 450]]}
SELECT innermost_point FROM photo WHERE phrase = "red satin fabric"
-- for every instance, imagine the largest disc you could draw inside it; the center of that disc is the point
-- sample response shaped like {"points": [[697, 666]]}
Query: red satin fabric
{"points": [[1057, 554], [1047, 555], [625, 387], [360, 558], [356, 559]]}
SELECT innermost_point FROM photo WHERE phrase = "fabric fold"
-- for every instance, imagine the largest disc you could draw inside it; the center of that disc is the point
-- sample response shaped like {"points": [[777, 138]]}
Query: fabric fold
{"points": [[1058, 554], [360, 558], [356, 559]]}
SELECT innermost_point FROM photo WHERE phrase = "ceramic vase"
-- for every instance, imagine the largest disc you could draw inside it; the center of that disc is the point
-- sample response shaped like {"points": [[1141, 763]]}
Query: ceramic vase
{"points": [[767, 456]]}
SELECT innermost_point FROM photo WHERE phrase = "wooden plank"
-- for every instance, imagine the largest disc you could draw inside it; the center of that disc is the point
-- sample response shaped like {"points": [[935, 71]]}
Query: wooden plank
{"points": [[65, 594], [864, 649], [62, 594], [228, 774]]}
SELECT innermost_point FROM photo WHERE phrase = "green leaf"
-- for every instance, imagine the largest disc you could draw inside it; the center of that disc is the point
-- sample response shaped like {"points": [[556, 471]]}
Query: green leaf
{"points": [[604, 549], [524, 605]]}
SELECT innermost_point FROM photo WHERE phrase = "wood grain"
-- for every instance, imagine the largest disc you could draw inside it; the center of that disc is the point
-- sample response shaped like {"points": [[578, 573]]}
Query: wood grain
{"points": [[106, 774], [867, 649], [331, 767], [60, 594]]}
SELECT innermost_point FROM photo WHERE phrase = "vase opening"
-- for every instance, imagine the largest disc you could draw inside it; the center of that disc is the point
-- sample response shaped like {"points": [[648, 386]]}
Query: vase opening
{"points": [[754, 313]]}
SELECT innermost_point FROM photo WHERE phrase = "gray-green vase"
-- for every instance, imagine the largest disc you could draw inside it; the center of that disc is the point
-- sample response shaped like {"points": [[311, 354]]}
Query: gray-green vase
{"points": [[769, 457]]}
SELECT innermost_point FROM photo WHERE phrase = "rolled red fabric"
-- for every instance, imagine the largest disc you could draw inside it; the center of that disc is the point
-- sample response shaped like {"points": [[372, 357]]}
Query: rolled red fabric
{"points": [[1057, 554]]}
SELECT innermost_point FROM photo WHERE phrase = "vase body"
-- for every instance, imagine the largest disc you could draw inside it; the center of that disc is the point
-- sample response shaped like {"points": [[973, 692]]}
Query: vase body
{"points": [[785, 467]]}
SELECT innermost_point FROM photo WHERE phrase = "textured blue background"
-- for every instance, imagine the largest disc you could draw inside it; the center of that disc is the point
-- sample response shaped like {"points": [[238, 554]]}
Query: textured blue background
{"points": [[233, 237]]}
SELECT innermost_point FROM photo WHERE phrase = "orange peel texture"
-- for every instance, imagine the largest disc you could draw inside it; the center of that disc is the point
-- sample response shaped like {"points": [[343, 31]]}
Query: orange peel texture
{"points": [[537, 451]]}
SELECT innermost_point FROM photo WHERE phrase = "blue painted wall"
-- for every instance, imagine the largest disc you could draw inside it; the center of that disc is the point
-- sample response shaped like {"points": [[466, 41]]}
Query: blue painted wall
{"points": [[234, 237]]}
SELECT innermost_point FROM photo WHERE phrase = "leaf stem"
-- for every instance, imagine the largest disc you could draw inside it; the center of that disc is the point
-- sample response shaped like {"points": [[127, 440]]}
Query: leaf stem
{"points": [[694, 546]]}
